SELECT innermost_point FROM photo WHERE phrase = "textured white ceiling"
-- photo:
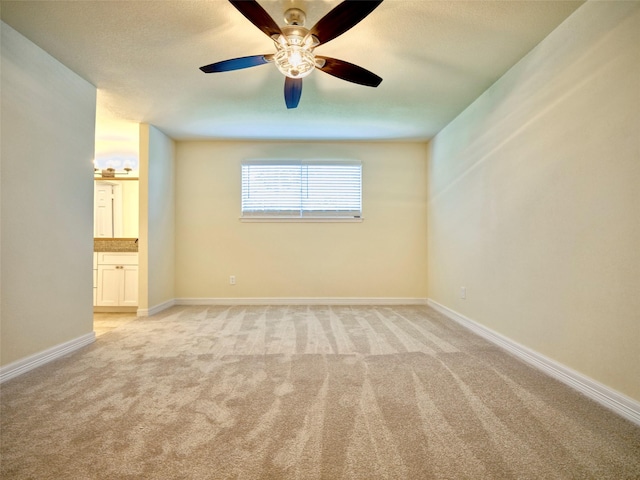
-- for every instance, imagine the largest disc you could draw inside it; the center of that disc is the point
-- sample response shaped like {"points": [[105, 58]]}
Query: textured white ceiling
{"points": [[435, 58]]}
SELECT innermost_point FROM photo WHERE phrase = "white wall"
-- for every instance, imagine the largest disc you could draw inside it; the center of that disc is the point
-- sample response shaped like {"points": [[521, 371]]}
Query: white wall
{"points": [[157, 219], [534, 201], [382, 257], [117, 140], [48, 115]]}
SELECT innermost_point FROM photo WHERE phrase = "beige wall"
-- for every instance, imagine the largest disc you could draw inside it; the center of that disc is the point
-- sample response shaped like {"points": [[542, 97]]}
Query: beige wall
{"points": [[534, 200], [157, 218], [48, 115], [130, 209], [382, 257]]}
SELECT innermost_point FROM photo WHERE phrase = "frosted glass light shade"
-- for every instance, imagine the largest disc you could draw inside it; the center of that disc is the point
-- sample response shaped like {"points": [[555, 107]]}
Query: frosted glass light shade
{"points": [[294, 61]]}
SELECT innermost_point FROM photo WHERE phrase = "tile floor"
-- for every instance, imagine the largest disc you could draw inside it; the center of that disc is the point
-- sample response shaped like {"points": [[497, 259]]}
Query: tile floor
{"points": [[105, 322]]}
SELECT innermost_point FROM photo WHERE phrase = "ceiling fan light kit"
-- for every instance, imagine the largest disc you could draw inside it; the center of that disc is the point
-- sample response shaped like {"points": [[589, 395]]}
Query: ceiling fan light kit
{"points": [[295, 57], [295, 62]]}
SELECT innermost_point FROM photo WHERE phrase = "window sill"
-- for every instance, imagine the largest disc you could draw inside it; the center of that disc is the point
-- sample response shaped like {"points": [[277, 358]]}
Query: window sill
{"points": [[266, 219]]}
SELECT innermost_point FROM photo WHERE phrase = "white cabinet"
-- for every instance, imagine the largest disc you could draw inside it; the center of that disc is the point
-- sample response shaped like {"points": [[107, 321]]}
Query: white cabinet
{"points": [[117, 279], [116, 211], [95, 278], [107, 205]]}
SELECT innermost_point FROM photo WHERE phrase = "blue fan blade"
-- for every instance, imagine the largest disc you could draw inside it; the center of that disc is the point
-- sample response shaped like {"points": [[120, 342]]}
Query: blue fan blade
{"points": [[235, 64], [292, 91]]}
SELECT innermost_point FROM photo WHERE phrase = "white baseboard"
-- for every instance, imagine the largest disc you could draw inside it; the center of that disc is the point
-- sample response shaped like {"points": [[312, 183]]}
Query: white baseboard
{"points": [[302, 301], [605, 396], [33, 361], [145, 312]]}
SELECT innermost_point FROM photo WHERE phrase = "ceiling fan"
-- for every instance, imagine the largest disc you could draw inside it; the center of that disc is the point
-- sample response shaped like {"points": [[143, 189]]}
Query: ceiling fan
{"points": [[295, 45]]}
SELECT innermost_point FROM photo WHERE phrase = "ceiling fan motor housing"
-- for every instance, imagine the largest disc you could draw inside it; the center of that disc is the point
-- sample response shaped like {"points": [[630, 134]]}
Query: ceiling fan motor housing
{"points": [[295, 16]]}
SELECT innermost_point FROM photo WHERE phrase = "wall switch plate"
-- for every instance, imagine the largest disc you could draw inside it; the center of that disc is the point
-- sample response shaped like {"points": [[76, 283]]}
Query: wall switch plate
{"points": [[232, 280], [463, 292]]}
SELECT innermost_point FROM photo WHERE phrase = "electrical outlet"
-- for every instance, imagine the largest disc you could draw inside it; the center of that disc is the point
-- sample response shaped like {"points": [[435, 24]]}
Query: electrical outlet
{"points": [[463, 292], [232, 280]]}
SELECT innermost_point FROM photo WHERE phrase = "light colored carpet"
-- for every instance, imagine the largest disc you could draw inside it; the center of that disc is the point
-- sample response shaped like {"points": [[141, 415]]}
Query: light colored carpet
{"points": [[303, 393]]}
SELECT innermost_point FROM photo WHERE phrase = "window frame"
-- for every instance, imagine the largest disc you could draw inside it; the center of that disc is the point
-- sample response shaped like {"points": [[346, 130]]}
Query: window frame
{"points": [[304, 215]]}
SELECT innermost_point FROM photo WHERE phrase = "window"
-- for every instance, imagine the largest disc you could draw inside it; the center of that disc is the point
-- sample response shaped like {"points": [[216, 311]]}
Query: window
{"points": [[301, 189]]}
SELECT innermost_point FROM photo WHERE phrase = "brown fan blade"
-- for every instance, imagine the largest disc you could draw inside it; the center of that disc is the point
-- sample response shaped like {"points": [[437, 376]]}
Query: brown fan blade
{"points": [[349, 72], [342, 18], [257, 15]]}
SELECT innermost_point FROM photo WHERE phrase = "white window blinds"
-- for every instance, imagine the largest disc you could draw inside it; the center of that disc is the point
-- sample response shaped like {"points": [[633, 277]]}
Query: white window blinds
{"points": [[301, 188]]}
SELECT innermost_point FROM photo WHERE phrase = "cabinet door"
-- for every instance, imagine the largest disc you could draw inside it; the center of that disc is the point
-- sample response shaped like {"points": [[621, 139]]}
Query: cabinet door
{"points": [[129, 286], [108, 285], [103, 210], [95, 279]]}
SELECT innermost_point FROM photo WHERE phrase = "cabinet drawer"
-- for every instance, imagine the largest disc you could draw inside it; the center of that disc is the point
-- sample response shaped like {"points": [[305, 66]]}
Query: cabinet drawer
{"points": [[117, 258]]}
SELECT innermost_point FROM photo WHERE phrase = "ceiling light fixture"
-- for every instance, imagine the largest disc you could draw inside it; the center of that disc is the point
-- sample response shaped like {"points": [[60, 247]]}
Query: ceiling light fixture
{"points": [[295, 45], [294, 57]]}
